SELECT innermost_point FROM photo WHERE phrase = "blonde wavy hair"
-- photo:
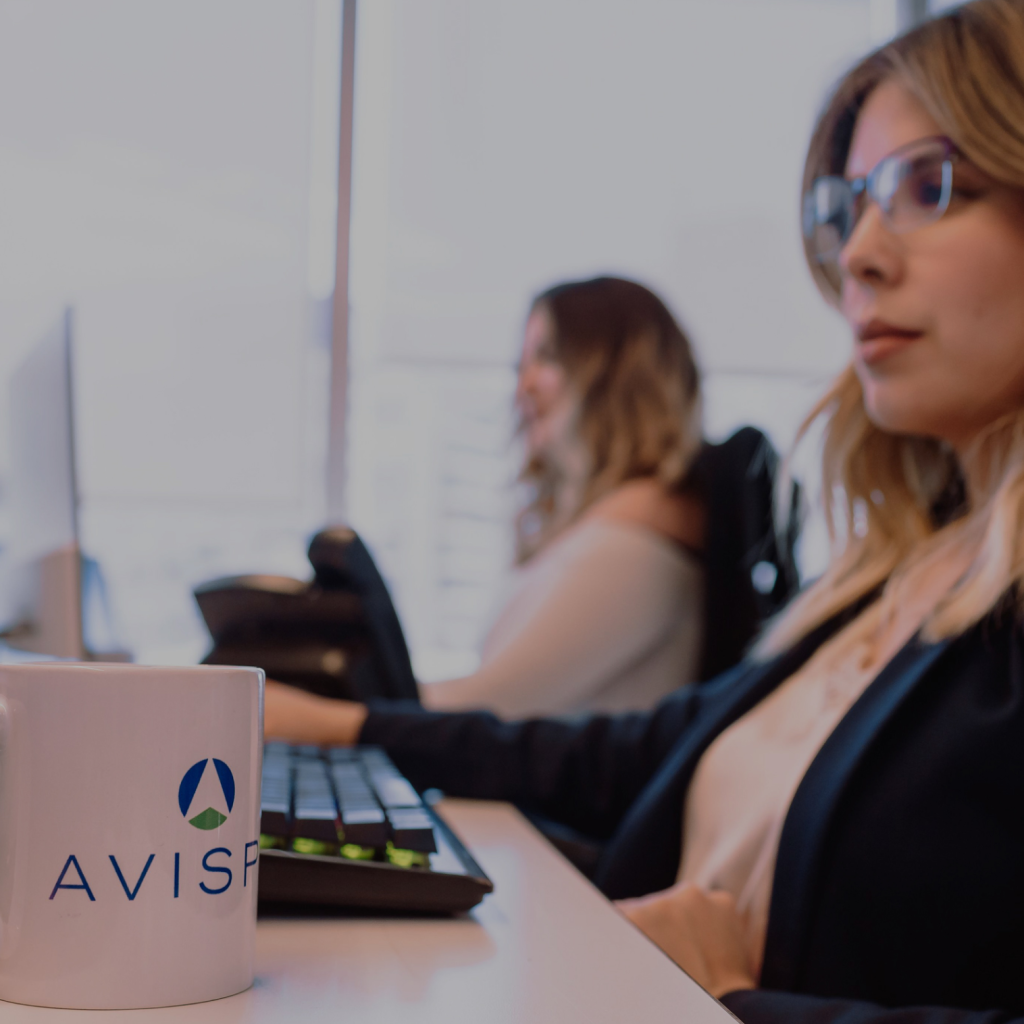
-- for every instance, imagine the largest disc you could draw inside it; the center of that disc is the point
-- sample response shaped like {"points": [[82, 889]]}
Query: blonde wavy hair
{"points": [[632, 369], [896, 505]]}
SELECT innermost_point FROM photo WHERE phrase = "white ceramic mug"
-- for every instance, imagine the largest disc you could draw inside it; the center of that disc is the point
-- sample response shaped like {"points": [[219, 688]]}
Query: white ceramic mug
{"points": [[129, 828]]}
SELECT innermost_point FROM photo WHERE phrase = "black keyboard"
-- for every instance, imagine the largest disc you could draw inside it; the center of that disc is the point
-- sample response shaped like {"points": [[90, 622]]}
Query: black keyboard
{"points": [[341, 827]]}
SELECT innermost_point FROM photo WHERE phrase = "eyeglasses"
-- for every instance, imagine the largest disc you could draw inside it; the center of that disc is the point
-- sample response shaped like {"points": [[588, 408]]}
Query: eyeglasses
{"points": [[912, 187]]}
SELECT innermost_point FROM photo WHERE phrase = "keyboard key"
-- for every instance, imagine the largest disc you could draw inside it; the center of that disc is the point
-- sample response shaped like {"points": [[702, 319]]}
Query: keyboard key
{"points": [[362, 818], [276, 791], [344, 755], [315, 814], [392, 788], [364, 827], [412, 829], [274, 822], [394, 791]]}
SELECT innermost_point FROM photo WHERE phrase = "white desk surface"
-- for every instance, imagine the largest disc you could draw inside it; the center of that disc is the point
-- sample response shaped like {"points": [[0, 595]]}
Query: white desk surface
{"points": [[544, 947]]}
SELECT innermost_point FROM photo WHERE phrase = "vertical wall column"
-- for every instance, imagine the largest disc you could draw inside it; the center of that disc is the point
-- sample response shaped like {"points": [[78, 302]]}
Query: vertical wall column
{"points": [[340, 311]]}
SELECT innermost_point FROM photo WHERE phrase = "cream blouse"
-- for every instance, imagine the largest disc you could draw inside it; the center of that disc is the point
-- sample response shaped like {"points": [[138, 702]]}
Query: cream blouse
{"points": [[607, 618], [744, 783]]}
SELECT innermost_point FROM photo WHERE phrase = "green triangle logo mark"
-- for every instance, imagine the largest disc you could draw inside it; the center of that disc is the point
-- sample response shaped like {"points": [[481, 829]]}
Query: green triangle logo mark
{"points": [[208, 819]]}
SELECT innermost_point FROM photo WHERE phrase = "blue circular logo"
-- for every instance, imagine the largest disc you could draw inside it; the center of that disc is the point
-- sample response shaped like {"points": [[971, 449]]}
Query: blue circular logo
{"points": [[211, 817]]}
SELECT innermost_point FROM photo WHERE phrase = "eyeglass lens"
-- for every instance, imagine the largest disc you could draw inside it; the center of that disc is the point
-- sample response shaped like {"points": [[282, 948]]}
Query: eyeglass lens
{"points": [[911, 189]]}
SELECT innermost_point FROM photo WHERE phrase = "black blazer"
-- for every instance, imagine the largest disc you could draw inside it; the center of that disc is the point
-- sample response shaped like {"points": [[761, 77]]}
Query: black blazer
{"points": [[900, 874]]}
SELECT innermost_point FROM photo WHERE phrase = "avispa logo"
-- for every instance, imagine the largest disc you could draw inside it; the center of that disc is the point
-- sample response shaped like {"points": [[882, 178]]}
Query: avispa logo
{"points": [[211, 817], [215, 788]]}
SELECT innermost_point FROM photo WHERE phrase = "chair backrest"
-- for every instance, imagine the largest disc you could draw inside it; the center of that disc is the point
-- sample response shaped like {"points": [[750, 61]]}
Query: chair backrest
{"points": [[341, 561], [750, 571]]}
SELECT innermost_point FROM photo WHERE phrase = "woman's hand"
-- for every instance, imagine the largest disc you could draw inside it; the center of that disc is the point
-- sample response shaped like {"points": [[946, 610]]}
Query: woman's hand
{"points": [[700, 930], [292, 714]]}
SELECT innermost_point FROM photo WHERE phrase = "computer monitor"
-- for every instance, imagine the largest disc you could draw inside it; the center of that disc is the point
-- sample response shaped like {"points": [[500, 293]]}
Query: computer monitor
{"points": [[41, 565]]}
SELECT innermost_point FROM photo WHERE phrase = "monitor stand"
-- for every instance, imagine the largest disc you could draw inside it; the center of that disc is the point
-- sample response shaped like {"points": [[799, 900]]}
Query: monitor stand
{"points": [[55, 579]]}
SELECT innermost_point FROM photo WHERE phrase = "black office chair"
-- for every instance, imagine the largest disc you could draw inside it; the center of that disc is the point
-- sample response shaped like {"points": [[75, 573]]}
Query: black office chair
{"points": [[336, 635], [749, 570]]}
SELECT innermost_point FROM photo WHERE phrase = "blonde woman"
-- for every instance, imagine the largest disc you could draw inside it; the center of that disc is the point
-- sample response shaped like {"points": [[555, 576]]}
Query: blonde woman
{"points": [[833, 831]]}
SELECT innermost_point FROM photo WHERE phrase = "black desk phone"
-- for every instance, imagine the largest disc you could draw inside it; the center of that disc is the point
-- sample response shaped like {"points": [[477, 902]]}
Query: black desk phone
{"points": [[337, 634]]}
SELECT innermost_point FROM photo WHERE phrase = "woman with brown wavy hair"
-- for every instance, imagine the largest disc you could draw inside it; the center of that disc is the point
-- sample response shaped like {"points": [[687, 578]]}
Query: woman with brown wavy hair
{"points": [[604, 608], [832, 833]]}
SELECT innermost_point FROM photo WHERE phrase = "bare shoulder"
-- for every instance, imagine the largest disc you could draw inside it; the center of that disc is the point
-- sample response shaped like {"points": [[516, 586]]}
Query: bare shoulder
{"points": [[647, 502]]}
